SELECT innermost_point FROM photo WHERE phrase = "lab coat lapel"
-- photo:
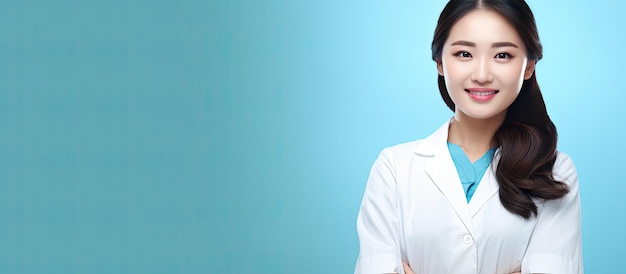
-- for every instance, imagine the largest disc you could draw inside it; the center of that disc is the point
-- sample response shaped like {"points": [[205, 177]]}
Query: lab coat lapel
{"points": [[443, 173], [486, 189]]}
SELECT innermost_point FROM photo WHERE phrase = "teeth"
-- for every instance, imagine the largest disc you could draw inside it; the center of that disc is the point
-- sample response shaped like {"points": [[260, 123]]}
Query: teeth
{"points": [[482, 93]]}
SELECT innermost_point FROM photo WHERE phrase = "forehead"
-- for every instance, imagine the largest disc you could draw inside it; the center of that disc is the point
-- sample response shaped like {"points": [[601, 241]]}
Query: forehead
{"points": [[484, 26]]}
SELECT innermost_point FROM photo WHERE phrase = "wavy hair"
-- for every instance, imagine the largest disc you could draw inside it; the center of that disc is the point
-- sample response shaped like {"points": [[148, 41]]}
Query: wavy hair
{"points": [[527, 138]]}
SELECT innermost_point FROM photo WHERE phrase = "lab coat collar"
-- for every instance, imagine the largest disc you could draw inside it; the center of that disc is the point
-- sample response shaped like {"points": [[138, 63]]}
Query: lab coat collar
{"points": [[430, 145], [444, 175], [487, 188]]}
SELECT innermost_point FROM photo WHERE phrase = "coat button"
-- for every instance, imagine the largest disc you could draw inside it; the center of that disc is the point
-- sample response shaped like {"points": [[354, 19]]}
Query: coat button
{"points": [[467, 239]]}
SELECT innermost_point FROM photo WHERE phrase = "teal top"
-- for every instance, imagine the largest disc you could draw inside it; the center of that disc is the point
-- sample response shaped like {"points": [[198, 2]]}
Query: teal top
{"points": [[470, 173]]}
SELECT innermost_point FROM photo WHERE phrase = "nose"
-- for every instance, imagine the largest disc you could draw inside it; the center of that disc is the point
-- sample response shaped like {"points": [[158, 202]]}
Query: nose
{"points": [[482, 72]]}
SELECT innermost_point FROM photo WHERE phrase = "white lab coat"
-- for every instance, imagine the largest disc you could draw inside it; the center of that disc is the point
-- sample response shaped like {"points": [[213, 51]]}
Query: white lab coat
{"points": [[414, 209]]}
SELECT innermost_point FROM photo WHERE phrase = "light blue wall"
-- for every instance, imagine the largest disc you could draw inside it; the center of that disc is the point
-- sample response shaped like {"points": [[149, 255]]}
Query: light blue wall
{"points": [[236, 137]]}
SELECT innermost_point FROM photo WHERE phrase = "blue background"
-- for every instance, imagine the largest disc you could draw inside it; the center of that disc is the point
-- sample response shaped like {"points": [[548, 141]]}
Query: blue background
{"points": [[237, 136]]}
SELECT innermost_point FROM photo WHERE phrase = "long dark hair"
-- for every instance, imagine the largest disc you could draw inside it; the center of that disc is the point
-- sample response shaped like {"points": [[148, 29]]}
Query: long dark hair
{"points": [[527, 138]]}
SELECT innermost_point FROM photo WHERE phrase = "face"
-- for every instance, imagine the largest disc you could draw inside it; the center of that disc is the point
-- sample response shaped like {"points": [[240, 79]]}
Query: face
{"points": [[484, 63]]}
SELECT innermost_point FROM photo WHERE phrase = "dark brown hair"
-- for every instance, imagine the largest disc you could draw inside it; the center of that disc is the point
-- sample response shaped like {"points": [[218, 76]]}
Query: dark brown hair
{"points": [[527, 138]]}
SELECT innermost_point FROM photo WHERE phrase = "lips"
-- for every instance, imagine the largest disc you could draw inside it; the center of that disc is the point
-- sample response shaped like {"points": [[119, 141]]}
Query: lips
{"points": [[482, 94]]}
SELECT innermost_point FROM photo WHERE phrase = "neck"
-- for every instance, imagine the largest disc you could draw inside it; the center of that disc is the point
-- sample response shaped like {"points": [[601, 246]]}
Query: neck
{"points": [[474, 135]]}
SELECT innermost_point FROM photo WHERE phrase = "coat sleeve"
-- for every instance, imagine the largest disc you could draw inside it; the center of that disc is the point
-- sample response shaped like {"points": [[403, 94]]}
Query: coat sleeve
{"points": [[378, 222], [556, 243]]}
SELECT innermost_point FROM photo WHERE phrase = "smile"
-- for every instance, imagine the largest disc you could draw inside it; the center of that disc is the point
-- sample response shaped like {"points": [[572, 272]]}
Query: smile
{"points": [[481, 94], [482, 91]]}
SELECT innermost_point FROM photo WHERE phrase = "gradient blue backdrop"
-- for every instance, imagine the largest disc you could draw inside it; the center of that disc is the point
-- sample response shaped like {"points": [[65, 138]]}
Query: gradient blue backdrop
{"points": [[237, 136]]}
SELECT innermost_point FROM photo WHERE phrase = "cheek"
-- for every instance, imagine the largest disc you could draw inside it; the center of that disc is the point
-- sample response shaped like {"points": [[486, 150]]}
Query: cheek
{"points": [[514, 71], [453, 72], [511, 76]]}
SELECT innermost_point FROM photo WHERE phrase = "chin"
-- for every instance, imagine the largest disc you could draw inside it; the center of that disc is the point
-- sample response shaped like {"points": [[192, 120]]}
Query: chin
{"points": [[482, 115]]}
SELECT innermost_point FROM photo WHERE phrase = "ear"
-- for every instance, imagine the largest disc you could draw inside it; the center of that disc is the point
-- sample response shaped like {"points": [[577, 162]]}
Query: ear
{"points": [[439, 67], [530, 69]]}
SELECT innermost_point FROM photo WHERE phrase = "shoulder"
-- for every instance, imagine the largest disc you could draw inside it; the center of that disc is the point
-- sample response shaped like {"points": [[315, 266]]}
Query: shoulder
{"points": [[404, 147], [403, 153], [564, 169], [397, 158], [400, 151], [392, 162]]}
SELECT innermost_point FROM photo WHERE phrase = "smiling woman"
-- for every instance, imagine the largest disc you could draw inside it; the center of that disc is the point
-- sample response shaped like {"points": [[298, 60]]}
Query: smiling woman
{"points": [[487, 192], [482, 76]]}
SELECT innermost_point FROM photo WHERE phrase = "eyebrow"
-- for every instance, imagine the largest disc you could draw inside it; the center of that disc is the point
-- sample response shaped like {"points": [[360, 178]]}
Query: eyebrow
{"points": [[494, 45]]}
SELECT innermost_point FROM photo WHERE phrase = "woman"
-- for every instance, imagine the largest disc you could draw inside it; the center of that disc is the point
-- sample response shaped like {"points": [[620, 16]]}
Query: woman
{"points": [[487, 192]]}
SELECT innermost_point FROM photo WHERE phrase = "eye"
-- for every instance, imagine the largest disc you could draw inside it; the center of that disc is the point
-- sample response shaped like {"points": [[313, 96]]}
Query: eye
{"points": [[503, 55], [463, 54]]}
